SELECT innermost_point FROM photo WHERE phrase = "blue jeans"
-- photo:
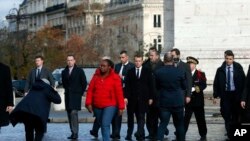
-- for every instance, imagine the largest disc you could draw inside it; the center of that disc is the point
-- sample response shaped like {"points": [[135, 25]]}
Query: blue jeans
{"points": [[104, 117], [178, 117]]}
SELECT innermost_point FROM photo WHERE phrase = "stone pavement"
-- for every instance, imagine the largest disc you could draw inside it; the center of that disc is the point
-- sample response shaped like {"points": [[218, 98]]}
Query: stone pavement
{"points": [[60, 131]]}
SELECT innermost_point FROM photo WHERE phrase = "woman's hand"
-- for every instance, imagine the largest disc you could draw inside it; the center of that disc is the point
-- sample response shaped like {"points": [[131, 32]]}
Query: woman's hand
{"points": [[90, 109]]}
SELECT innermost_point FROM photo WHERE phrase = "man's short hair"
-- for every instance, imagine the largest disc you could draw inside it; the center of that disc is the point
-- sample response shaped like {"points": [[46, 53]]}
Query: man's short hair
{"points": [[176, 50], [138, 55], [71, 55], [39, 56], [229, 54], [168, 57], [153, 49], [123, 52]]}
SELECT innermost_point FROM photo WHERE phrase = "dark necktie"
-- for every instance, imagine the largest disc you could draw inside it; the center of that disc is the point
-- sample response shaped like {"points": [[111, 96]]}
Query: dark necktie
{"points": [[228, 79], [38, 74], [137, 73]]}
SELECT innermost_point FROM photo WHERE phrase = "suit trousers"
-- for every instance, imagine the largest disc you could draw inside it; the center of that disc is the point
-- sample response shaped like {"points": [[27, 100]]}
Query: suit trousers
{"points": [[199, 114], [33, 124], [178, 117], [230, 110], [73, 121], [152, 120], [140, 117]]}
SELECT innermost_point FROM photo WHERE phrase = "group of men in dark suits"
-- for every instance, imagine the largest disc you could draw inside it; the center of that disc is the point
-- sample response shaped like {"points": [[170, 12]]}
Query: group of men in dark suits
{"points": [[147, 84]]}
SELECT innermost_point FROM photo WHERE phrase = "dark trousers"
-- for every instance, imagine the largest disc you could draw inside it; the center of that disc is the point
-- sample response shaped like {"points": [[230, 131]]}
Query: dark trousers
{"points": [[230, 110], [140, 118], [116, 125], [73, 121], [199, 114], [96, 127], [178, 117], [152, 120], [33, 124]]}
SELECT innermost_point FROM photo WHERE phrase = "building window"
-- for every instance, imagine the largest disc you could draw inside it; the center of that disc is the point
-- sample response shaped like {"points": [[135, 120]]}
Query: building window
{"points": [[157, 20], [97, 19]]}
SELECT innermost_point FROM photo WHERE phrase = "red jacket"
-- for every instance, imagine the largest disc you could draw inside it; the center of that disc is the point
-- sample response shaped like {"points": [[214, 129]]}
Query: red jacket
{"points": [[105, 92]]}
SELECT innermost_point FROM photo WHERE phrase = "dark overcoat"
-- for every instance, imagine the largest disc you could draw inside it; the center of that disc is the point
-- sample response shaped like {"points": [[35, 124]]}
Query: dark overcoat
{"points": [[36, 102], [74, 85], [6, 96]]}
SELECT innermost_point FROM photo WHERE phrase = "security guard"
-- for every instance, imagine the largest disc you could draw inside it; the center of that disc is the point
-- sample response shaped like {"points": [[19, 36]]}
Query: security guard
{"points": [[196, 104]]}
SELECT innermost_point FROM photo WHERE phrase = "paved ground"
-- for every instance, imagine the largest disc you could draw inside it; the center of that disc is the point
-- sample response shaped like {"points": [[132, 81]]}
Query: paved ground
{"points": [[60, 131]]}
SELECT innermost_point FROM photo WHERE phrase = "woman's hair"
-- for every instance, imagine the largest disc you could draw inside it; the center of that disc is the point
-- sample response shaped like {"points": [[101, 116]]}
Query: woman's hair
{"points": [[110, 63]]}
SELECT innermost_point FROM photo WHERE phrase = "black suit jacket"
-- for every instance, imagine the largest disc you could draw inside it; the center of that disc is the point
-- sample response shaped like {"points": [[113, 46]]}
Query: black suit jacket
{"points": [[139, 90], [6, 96], [188, 76], [45, 73], [74, 85], [198, 80], [125, 70], [219, 85], [170, 83]]}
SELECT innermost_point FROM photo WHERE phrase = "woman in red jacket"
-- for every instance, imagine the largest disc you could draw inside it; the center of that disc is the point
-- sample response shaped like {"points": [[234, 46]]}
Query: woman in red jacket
{"points": [[105, 96]]}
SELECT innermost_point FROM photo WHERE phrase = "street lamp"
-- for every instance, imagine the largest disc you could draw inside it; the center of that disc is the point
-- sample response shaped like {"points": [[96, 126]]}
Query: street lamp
{"points": [[16, 15]]}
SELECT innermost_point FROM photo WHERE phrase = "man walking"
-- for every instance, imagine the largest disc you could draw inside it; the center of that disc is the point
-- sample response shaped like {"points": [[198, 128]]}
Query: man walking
{"points": [[170, 83], [196, 104], [229, 85], [138, 96], [6, 96], [74, 83], [121, 68], [39, 72], [153, 64]]}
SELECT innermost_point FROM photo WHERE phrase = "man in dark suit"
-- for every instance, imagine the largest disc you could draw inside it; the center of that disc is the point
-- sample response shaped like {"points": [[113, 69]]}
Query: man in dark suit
{"points": [[138, 96], [39, 72], [121, 68], [229, 85], [196, 104], [74, 82], [245, 99], [188, 76], [170, 83], [6, 96], [153, 63]]}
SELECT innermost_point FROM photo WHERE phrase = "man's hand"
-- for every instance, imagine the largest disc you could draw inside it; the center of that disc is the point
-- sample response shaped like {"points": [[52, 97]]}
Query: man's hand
{"points": [[150, 102], [215, 101], [243, 104], [188, 99], [120, 112], [90, 109], [9, 109], [126, 101]]}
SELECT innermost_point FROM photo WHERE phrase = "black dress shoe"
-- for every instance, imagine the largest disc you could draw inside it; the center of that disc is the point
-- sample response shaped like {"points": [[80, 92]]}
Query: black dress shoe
{"points": [[128, 138], [115, 137], [93, 133], [73, 136], [203, 138]]}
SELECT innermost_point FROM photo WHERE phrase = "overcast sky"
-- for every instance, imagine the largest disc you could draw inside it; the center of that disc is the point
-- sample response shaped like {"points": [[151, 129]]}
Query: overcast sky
{"points": [[6, 5]]}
